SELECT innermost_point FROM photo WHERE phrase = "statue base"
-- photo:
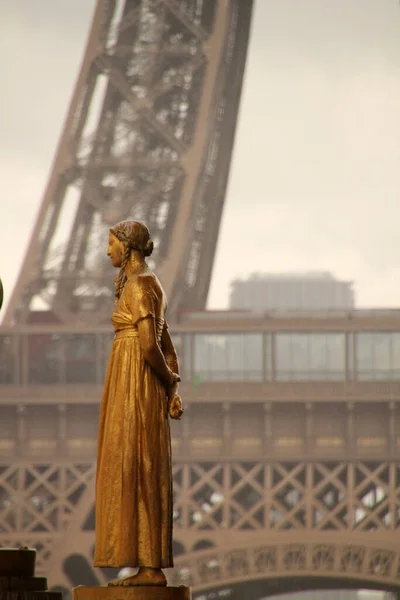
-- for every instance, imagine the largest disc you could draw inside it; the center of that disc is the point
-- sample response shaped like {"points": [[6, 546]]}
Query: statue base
{"points": [[134, 592]]}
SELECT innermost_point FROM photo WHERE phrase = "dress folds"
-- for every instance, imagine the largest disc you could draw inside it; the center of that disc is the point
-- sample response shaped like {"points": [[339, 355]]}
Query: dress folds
{"points": [[134, 481]]}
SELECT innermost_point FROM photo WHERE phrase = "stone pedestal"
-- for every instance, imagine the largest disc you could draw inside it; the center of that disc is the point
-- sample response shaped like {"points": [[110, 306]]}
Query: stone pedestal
{"points": [[144, 592], [17, 576]]}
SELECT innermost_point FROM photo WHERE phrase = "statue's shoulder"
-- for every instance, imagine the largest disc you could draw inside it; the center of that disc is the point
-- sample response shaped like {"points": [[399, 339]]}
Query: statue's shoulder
{"points": [[142, 283], [147, 280]]}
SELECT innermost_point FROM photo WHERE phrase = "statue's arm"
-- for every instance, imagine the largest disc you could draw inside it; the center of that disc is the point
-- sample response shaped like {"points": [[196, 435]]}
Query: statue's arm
{"points": [[152, 352], [175, 408], [168, 349]]}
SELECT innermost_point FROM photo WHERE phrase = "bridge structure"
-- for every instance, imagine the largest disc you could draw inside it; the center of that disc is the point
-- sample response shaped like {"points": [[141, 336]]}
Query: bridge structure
{"points": [[287, 461], [286, 464]]}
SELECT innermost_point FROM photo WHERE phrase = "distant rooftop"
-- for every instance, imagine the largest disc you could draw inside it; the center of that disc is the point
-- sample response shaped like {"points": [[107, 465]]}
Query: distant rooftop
{"points": [[310, 290], [305, 275]]}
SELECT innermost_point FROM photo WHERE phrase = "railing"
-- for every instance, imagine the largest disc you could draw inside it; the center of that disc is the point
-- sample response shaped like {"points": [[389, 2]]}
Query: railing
{"points": [[205, 447], [363, 313], [218, 391]]}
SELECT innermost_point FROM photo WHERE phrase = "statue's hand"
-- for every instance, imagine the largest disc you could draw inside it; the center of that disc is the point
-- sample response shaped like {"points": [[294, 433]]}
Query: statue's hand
{"points": [[176, 378], [175, 408]]}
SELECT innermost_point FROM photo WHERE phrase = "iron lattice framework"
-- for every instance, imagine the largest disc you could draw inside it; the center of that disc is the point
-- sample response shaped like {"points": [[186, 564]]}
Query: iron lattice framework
{"points": [[234, 520], [148, 136]]}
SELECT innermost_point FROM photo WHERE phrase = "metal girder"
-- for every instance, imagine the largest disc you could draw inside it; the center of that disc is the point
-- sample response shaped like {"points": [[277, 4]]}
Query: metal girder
{"points": [[148, 136], [223, 513]]}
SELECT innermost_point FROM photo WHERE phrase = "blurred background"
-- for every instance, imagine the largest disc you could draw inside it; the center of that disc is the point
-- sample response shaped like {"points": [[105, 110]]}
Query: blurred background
{"points": [[260, 142]]}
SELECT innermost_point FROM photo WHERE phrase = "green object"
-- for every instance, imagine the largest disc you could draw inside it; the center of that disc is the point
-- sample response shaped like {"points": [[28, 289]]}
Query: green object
{"points": [[196, 380]]}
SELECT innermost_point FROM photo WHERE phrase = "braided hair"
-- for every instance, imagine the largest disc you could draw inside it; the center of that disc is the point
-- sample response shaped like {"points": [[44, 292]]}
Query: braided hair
{"points": [[134, 236]]}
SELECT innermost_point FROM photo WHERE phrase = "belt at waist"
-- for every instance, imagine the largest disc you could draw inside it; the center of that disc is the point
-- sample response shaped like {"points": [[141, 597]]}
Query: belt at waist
{"points": [[125, 333], [130, 332]]}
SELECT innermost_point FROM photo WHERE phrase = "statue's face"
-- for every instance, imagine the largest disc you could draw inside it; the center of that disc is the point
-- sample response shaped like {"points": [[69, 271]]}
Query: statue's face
{"points": [[115, 250]]}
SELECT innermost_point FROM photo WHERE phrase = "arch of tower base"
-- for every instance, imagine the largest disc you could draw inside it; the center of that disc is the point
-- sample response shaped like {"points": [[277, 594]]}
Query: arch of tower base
{"points": [[221, 561], [289, 563], [261, 565]]}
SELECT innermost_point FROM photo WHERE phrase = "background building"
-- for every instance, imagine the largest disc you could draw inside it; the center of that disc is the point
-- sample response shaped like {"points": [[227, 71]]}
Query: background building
{"points": [[292, 291]]}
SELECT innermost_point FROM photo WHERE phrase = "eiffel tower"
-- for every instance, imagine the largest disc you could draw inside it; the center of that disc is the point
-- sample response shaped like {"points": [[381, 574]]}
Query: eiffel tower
{"points": [[148, 136]]}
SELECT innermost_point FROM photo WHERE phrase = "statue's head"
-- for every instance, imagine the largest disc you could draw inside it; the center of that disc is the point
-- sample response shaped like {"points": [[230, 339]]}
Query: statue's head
{"points": [[125, 238], [134, 236]]}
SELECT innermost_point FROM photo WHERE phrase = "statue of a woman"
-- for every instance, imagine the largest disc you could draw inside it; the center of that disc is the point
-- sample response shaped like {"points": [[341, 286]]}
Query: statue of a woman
{"points": [[134, 478]]}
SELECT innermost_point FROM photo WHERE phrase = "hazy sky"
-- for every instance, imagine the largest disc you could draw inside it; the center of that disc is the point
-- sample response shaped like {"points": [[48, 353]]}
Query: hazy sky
{"points": [[315, 177]]}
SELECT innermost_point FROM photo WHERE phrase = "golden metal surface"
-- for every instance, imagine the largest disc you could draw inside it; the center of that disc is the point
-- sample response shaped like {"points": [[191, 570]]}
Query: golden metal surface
{"points": [[134, 472]]}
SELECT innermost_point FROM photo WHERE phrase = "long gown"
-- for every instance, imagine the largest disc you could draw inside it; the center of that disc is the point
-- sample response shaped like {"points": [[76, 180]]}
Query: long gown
{"points": [[134, 478]]}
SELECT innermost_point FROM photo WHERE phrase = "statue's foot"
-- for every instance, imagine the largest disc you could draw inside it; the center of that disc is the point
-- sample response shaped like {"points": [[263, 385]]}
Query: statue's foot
{"points": [[145, 576]]}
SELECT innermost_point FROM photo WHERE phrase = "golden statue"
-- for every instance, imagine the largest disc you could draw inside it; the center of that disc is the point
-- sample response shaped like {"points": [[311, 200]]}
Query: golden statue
{"points": [[134, 476]]}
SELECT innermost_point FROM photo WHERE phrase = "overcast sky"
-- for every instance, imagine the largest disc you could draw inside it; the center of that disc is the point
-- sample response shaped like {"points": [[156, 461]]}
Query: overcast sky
{"points": [[315, 177]]}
